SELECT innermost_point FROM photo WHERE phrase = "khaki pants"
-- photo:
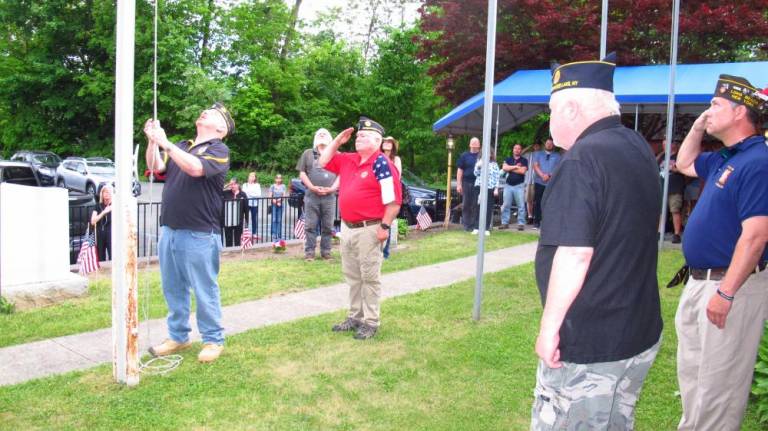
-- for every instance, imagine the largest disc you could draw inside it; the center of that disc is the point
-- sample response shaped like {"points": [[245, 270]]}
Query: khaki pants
{"points": [[361, 257], [714, 366]]}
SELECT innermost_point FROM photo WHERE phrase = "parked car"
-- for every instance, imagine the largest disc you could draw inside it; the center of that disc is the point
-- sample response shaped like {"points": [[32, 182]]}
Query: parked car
{"points": [[43, 162], [20, 173], [89, 175]]}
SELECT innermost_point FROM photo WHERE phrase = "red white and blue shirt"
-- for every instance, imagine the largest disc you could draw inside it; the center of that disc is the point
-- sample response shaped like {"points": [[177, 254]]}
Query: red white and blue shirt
{"points": [[365, 187]]}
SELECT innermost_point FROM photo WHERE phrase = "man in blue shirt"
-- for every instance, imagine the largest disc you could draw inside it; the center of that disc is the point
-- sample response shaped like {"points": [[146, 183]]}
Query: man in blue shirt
{"points": [[722, 311], [543, 165], [465, 184]]}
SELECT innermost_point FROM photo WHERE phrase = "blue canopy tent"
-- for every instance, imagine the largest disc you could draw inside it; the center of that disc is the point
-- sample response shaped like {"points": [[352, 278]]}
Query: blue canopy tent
{"points": [[639, 89]]}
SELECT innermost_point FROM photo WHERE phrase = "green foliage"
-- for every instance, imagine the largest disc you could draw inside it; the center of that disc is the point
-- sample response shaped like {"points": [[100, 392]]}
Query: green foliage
{"points": [[402, 228], [6, 307], [760, 384]]}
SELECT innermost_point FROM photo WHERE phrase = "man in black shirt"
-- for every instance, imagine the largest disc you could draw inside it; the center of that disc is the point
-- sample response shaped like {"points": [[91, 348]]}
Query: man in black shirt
{"points": [[514, 190], [596, 260], [465, 184], [675, 191], [190, 240]]}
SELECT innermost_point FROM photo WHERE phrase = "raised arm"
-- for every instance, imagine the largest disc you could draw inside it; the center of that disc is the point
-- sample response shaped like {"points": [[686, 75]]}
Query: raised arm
{"points": [[331, 149], [691, 147]]}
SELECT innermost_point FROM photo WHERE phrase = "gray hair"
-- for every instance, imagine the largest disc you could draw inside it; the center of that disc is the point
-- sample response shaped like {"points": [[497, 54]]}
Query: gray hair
{"points": [[594, 102]]}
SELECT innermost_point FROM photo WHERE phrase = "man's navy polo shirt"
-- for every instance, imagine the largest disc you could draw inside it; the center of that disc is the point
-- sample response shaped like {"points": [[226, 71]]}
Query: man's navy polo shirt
{"points": [[196, 203], [514, 179], [735, 189], [466, 163]]}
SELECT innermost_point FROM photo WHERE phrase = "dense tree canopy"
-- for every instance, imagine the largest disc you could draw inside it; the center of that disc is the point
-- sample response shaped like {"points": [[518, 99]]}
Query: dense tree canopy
{"points": [[532, 33]]}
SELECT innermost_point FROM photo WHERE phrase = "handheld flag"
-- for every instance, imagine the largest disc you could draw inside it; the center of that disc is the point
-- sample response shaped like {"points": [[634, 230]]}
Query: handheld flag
{"points": [[246, 239]]}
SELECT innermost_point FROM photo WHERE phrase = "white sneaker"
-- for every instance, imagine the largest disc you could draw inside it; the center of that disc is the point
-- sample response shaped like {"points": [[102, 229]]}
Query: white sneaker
{"points": [[487, 233], [474, 232]]}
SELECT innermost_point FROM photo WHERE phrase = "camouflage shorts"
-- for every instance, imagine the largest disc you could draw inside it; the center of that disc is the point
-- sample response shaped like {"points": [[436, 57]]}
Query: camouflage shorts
{"points": [[599, 396]]}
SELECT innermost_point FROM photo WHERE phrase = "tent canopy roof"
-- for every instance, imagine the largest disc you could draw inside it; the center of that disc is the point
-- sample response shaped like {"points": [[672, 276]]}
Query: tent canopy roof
{"points": [[525, 93]]}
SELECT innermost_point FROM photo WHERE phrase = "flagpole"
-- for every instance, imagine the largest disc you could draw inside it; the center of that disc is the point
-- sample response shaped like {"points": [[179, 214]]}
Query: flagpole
{"points": [[490, 54], [125, 313]]}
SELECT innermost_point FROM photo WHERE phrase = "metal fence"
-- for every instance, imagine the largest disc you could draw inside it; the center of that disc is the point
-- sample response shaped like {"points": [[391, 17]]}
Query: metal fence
{"points": [[232, 221]]}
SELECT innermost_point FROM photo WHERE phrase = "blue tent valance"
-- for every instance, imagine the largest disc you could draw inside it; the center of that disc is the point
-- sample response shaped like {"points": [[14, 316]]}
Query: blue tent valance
{"points": [[642, 89]]}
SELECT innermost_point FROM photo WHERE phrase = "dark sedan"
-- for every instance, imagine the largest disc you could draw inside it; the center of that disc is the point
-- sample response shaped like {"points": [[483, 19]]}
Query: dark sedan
{"points": [[43, 162]]}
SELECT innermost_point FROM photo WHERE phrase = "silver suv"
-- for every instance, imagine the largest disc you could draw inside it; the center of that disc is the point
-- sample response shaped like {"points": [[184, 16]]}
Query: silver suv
{"points": [[89, 175]]}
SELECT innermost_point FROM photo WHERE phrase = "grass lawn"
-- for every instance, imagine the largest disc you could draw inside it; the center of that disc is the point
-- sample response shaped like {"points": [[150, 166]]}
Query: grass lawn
{"points": [[430, 368], [240, 280]]}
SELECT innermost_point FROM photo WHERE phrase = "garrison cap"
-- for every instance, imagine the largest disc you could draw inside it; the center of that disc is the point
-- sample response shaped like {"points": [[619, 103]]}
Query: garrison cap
{"points": [[585, 74], [227, 117], [739, 90], [366, 123]]}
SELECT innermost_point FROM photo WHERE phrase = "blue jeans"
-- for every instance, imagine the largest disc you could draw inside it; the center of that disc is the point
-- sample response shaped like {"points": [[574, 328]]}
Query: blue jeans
{"points": [[277, 222], [189, 260], [254, 220], [516, 193]]}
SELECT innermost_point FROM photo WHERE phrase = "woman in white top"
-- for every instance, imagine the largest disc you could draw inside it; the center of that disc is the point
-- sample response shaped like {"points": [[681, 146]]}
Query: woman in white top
{"points": [[491, 188], [252, 189]]}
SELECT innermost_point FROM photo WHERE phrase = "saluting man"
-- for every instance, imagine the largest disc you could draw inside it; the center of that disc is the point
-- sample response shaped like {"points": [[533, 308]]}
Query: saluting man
{"points": [[369, 199], [722, 311], [190, 239]]}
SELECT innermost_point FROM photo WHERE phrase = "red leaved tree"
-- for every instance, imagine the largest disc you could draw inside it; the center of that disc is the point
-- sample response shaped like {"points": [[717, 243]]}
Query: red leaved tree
{"points": [[532, 33]]}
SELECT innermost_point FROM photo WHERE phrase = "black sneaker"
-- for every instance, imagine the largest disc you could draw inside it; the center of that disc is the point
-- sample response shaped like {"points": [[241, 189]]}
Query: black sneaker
{"points": [[349, 324], [365, 332], [520, 227], [676, 239], [504, 226]]}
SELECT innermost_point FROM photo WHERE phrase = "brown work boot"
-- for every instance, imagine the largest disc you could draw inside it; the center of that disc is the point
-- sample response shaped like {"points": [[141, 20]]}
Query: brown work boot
{"points": [[210, 352], [326, 256], [309, 257], [168, 347], [365, 332], [349, 324]]}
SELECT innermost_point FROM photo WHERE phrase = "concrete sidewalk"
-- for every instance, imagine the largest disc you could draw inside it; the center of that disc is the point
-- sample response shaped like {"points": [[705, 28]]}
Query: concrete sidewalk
{"points": [[82, 351]]}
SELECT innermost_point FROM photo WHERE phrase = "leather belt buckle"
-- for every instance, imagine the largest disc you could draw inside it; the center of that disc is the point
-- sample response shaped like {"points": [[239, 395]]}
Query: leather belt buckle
{"points": [[712, 274]]}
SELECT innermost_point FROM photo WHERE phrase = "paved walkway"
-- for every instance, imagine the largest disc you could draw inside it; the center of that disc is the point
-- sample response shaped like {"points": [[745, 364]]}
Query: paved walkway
{"points": [[82, 351]]}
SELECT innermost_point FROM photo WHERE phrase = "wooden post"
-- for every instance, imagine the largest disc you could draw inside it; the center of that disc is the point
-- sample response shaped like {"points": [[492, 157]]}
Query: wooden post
{"points": [[125, 311], [449, 146]]}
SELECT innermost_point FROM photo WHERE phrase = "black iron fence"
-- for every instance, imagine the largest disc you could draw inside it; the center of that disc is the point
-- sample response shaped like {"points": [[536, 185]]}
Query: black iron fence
{"points": [[267, 222]]}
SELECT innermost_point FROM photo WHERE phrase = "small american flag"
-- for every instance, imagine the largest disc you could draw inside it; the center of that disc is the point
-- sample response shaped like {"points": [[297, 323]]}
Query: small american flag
{"points": [[423, 219], [298, 230], [88, 259], [246, 239]]}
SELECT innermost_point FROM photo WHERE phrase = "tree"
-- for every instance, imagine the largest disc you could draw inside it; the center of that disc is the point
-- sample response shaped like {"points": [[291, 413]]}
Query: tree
{"points": [[532, 33]]}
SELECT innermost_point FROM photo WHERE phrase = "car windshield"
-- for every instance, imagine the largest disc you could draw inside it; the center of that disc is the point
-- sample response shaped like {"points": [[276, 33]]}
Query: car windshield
{"points": [[410, 178], [101, 168], [47, 159]]}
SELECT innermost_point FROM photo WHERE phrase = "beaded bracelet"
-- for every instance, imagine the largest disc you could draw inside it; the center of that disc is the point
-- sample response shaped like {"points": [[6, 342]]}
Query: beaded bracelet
{"points": [[724, 296]]}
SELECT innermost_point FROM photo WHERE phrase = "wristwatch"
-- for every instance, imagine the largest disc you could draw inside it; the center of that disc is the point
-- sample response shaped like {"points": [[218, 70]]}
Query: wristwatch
{"points": [[384, 226]]}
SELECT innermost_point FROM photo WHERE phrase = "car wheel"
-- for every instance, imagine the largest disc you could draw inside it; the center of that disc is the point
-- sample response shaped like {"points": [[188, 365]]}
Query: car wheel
{"points": [[61, 183], [91, 190]]}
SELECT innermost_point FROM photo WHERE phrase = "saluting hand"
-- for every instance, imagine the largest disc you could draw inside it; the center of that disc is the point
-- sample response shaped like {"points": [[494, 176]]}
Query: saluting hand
{"points": [[717, 310], [700, 125], [343, 137]]}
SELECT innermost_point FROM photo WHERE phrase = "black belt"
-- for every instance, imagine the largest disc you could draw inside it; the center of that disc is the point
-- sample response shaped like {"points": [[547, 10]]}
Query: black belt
{"points": [[717, 274], [363, 223]]}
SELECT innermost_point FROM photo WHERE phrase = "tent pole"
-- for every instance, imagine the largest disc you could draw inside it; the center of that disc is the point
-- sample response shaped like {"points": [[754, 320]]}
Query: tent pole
{"points": [[670, 119], [637, 117], [604, 29], [490, 54]]}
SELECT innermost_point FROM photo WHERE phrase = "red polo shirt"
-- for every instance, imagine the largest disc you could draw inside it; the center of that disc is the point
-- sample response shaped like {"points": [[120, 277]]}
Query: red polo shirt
{"points": [[365, 187]]}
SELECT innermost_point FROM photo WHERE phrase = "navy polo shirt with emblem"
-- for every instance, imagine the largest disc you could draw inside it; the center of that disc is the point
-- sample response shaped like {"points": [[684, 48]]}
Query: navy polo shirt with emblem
{"points": [[195, 203], [735, 189]]}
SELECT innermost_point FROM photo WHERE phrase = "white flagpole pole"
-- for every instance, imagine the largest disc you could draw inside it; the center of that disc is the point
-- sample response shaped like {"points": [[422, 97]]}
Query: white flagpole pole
{"points": [[125, 315], [604, 29], [490, 54]]}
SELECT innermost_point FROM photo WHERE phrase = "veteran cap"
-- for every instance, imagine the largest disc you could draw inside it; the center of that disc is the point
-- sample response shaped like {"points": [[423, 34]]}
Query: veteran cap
{"points": [[366, 123], [585, 74], [739, 90], [227, 117]]}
